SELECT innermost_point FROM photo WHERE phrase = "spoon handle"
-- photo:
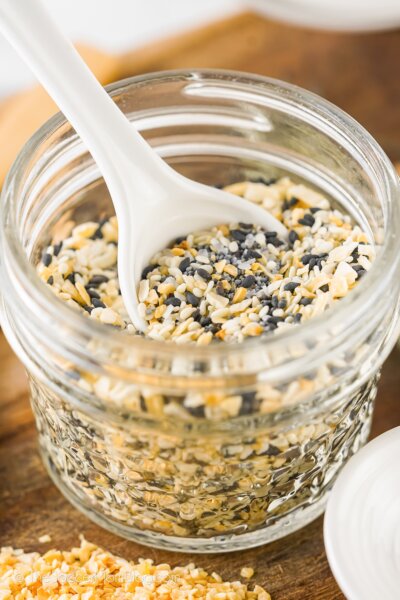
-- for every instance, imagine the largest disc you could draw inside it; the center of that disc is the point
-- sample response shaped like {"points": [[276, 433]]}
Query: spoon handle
{"points": [[113, 142]]}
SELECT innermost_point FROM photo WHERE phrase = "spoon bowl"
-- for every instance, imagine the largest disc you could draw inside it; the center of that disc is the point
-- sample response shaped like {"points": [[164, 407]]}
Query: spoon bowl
{"points": [[179, 207]]}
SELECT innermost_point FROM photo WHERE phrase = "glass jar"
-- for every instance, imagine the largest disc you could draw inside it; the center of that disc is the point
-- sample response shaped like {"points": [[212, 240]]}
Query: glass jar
{"points": [[143, 436]]}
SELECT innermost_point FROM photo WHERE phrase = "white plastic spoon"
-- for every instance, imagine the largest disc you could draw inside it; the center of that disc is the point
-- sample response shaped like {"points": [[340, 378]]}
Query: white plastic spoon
{"points": [[153, 203]]}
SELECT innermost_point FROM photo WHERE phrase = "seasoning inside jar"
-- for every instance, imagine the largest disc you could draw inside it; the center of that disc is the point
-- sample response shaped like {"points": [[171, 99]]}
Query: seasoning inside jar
{"points": [[221, 286], [229, 283]]}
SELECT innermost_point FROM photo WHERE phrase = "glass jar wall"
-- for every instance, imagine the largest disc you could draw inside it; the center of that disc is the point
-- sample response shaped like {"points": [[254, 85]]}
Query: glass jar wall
{"points": [[227, 446]]}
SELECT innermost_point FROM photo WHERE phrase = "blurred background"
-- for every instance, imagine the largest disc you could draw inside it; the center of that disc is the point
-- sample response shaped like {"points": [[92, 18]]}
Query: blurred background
{"points": [[115, 26], [345, 50]]}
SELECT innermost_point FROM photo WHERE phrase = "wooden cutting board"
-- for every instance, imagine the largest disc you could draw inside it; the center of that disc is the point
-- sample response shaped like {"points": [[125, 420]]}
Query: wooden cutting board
{"points": [[357, 72]]}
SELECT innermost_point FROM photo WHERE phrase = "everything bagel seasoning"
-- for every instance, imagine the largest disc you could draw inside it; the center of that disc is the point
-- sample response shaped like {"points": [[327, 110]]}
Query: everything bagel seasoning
{"points": [[229, 283], [201, 462]]}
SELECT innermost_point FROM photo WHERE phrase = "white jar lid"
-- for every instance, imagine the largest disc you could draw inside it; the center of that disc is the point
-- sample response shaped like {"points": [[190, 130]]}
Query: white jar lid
{"points": [[362, 522]]}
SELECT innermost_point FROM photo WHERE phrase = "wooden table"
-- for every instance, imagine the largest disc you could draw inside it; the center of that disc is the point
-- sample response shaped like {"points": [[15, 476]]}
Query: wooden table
{"points": [[360, 74]]}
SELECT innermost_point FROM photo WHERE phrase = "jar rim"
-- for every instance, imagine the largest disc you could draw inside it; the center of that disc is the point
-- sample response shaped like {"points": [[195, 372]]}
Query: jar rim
{"points": [[350, 308]]}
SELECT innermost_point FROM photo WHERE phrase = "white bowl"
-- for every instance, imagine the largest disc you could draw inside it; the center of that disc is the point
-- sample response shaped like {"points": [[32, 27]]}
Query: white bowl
{"points": [[344, 15], [362, 522]]}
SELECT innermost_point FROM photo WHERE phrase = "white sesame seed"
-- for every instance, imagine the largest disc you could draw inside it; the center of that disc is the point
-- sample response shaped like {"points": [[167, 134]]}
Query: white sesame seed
{"points": [[216, 300], [141, 310], [233, 247], [186, 312], [108, 316], [364, 262], [144, 288]]}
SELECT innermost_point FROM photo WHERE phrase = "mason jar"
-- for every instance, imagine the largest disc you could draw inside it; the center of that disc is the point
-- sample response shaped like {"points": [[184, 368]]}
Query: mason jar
{"points": [[202, 448]]}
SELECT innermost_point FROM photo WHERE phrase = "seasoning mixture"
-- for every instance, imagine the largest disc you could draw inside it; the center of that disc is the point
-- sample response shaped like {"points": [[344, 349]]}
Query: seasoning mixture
{"points": [[229, 283], [156, 473], [91, 573]]}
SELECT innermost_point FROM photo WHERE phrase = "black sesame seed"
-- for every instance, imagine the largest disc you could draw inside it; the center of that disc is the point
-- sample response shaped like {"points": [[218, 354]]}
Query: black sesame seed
{"points": [[307, 257], [57, 248], [205, 321], [289, 203], [324, 288], [46, 259], [192, 299], [291, 286], [88, 308], [92, 293], [245, 225], [238, 235], [276, 242], [308, 220], [305, 301], [98, 303], [313, 262], [248, 402], [147, 270], [196, 315], [198, 412], [213, 328], [97, 280], [274, 301], [297, 318], [282, 303], [264, 180], [184, 264], [179, 240], [172, 301], [71, 277], [293, 236], [275, 320], [204, 274], [50, 280], [98, 234], [248, 281], [270, 234], [315, 209], [251, 254]]}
